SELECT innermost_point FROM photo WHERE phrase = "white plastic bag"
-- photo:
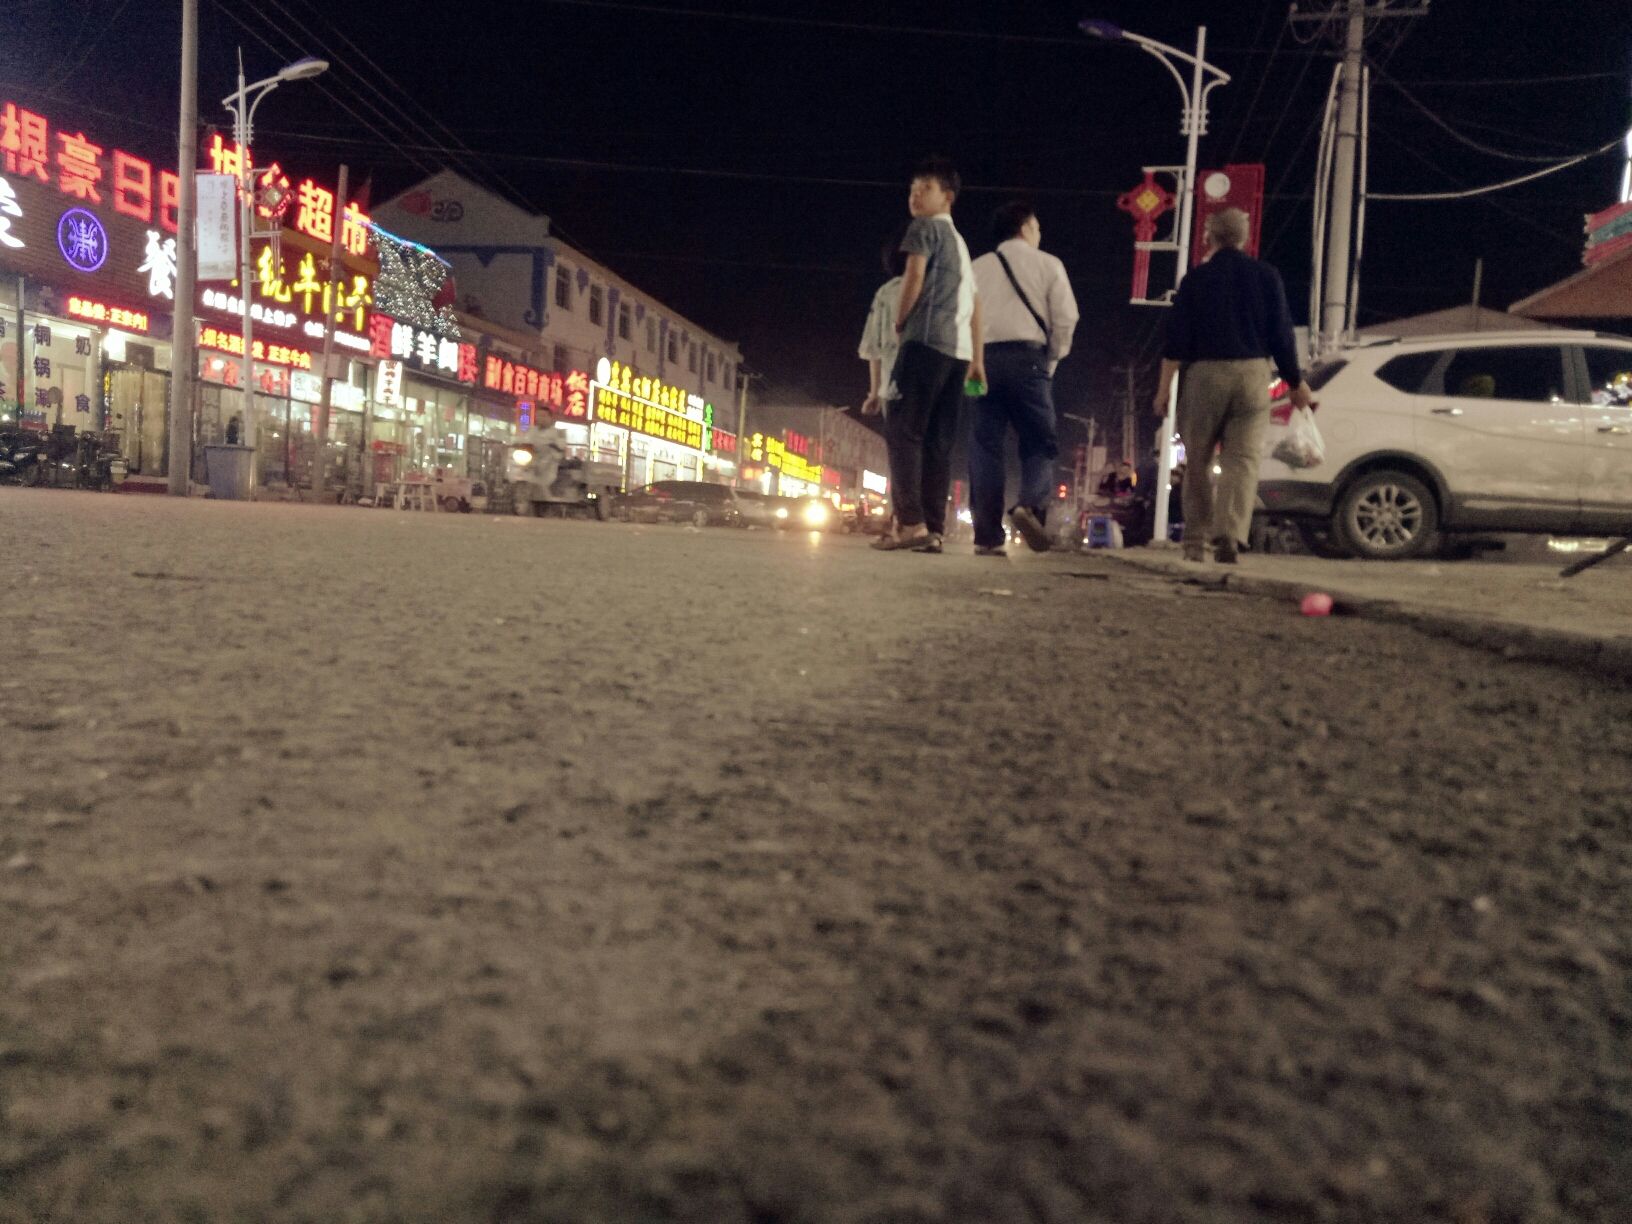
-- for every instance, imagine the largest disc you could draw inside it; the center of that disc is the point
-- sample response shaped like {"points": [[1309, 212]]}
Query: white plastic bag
{"points": [[1303, 447]]}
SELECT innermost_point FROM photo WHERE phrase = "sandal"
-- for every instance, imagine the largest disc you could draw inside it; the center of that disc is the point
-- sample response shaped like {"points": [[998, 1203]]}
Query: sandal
{"points": [[896, 543], [928, 544]]}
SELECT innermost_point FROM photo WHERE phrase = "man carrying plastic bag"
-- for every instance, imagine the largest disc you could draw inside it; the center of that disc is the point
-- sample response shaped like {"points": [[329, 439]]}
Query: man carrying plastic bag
{"points": [[1228, 323]]}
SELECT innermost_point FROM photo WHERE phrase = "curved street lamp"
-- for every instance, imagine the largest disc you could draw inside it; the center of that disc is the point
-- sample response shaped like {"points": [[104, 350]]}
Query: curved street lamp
{"points": [[1204, 78], [243, 103]]}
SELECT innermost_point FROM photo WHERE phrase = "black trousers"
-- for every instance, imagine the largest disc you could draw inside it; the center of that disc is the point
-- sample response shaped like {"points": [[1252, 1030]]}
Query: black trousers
{"points": [[920, 430]]}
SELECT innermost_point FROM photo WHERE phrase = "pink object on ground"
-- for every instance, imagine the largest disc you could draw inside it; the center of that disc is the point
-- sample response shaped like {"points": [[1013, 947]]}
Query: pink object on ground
{"points": [[1316, 604]]}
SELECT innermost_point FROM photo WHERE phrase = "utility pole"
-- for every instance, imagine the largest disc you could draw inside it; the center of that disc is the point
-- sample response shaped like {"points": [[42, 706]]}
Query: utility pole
{"points": [[1351, 17], [1130, 417], [184, 360], [743, 376]]}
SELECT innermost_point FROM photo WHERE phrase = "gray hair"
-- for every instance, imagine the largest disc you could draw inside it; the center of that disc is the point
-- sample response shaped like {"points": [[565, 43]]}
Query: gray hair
{"points": [[1228, 228]]}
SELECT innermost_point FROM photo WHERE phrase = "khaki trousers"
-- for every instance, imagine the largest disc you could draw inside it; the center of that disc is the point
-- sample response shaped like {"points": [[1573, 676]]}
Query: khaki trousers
{"points": [[1222, 403]]}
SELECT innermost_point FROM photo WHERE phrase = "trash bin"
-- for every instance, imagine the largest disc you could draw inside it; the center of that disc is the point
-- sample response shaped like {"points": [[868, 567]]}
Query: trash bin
{"points": [[226, 471]]}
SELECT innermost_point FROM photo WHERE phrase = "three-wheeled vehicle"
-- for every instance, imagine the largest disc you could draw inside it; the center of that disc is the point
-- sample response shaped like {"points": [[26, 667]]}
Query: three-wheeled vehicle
{"points": [[542, 476]]}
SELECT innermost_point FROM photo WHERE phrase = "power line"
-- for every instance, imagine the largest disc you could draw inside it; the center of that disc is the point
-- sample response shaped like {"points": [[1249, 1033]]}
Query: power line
{"points": [[628, 6], [507, 187], [1512, 182], [222, 7], [1445, 127], [581, 163], [1508, 81]]}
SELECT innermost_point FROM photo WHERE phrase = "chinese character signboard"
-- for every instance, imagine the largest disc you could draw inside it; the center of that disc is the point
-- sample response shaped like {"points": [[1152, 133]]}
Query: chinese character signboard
{"points": [[98, 221], [395, 340], [217, 227], [622, 398]]}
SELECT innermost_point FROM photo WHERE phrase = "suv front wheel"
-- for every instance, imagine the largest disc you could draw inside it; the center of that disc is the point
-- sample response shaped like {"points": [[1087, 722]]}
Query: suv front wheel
{"points": [[1386, 516]]}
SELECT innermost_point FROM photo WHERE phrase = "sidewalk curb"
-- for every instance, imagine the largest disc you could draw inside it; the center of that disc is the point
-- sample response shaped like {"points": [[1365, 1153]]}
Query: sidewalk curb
{"points": [[1611, 656]]}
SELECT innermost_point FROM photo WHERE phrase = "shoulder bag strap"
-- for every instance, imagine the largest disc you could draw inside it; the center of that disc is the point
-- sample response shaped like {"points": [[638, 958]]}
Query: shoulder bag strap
{"points": [[1023, 298]]}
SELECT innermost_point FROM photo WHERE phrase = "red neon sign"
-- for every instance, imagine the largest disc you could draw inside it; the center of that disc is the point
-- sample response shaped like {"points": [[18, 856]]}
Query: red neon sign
{"points": [[113, 316], [83, 171], [223, 341], [724, 443]]}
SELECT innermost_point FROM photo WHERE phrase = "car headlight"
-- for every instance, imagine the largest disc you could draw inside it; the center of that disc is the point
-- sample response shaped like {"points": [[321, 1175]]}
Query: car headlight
{"points": [[815, 515], [521, 455], [781, 512]]}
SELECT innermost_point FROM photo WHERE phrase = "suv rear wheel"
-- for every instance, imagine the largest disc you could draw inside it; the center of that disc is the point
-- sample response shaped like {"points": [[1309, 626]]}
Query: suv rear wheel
{"points": [[1386, 516]]}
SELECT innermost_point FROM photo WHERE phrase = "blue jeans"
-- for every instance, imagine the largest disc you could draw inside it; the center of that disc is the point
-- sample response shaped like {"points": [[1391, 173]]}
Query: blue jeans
{"points": [[1019, 393]]}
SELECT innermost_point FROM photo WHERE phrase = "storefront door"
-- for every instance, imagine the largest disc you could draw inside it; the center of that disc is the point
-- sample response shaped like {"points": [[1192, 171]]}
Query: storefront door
{"points": [[138, 401]]}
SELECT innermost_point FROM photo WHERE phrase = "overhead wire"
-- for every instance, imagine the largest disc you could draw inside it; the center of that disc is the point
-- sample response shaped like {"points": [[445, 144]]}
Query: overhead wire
{"points": [[223, 7], [459, 147], [1445, 127], [1503, 185]]}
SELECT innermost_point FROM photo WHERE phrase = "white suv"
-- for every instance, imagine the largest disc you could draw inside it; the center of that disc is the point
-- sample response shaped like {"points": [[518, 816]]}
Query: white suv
{"points": [[1520, 431]]}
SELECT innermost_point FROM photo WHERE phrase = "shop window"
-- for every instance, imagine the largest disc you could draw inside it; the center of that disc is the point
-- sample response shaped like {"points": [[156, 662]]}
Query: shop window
{"points": [[725, 374], [563, 289], [626, 322], [712, 367], [597, 305]]}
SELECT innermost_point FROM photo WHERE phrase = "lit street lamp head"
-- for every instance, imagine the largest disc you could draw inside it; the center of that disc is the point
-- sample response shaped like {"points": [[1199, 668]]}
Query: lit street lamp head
{"points": [[1096, 27], [302, 69]]}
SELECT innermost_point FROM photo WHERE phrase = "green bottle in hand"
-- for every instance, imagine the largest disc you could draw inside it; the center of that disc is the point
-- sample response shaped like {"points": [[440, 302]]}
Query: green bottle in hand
{"points": [[974, 387]]}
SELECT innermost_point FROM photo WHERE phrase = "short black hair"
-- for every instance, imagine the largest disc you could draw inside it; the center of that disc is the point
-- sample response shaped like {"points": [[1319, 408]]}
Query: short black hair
{"points": [[895, 259], [942, 171], [1006, 221]]}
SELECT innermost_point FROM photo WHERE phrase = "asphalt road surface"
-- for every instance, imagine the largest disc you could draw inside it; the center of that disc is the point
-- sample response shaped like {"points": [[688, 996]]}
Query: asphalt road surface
{"points": [[367, 866]]}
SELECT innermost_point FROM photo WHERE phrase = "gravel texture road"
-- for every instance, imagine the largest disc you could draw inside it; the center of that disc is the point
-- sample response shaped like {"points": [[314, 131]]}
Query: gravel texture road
{"points": [[366, 866]]}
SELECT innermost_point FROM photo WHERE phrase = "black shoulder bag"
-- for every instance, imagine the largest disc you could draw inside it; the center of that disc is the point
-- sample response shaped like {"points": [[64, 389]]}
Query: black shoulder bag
{"points": [[1009, 272]]}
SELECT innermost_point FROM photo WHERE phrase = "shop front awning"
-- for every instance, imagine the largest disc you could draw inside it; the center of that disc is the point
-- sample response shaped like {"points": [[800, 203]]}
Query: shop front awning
{"points": [[1602, 290]]}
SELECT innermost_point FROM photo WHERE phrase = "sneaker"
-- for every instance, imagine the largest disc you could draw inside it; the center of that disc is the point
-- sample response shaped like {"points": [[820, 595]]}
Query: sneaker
{"points": [[1224, 552], [1030, 527], [929, 544], [990, 550]]}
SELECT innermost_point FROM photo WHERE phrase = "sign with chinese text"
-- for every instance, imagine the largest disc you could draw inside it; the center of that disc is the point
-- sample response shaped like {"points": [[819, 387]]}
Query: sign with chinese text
{"points": [[388, 383], [422, 350], [101, 222], [312, 206], [232, 343], [217, 227], [616, 407], [874, 482], [111, 316]]}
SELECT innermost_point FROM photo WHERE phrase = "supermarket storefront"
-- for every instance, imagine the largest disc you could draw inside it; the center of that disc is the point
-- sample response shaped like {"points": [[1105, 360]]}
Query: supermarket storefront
{"points": [[651, 429]]}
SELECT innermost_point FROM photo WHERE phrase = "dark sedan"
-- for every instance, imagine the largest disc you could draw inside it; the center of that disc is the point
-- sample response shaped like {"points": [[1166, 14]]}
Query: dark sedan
{"points": [[681, 501]]}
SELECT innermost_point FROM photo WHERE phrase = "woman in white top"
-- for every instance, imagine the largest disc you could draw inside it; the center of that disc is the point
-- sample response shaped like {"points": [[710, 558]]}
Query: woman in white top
{"points": [[879, 341]]}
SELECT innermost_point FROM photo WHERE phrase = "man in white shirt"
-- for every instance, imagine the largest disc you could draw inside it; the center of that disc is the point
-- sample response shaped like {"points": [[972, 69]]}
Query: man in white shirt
{"points": [[1029, 314]]}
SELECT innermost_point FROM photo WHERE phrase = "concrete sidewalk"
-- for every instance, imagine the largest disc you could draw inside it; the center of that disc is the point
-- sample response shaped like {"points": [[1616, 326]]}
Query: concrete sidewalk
{"points": [[1523, 610]]}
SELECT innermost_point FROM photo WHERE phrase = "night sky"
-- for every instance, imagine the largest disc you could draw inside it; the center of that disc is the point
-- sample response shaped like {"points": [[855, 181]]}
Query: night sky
{"points": [[744, 161]]}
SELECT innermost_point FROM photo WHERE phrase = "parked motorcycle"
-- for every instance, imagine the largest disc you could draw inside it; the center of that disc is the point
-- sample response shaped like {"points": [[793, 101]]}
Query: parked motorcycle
{"points": [[22, 457]]}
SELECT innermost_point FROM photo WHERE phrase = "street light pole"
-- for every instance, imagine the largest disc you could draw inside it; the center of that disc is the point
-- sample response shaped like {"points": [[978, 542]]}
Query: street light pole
{"points": [[243, 105], [1193, 123]]}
